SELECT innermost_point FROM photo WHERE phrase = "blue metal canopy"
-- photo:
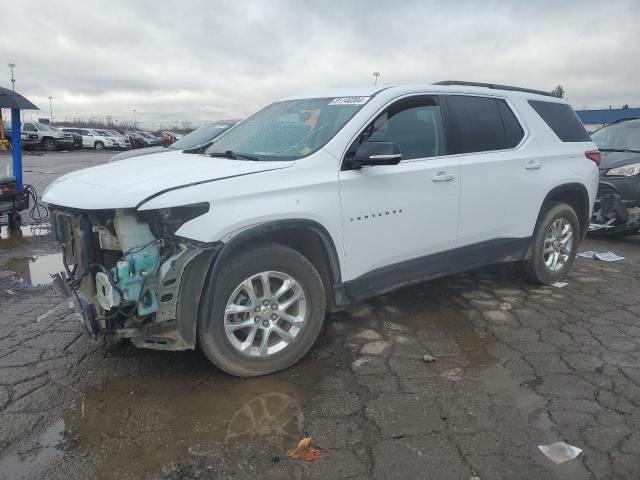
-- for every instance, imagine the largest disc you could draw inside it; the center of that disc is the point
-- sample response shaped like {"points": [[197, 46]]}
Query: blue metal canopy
{"points": [[16, 102]]}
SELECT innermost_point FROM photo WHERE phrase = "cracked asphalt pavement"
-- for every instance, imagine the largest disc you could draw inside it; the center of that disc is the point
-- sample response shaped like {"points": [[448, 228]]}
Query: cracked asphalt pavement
{"points": [[509, 366]]}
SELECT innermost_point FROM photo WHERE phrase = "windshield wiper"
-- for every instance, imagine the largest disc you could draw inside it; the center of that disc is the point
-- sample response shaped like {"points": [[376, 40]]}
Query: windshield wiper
{"points": [[619, 150], [234, 155]]}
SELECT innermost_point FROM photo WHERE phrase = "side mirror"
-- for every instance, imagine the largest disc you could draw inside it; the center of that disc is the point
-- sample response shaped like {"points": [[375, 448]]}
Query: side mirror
{"points": [[376, 153]]}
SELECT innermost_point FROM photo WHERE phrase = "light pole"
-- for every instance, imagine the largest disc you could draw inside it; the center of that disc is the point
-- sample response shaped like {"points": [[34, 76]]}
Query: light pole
{"points": [[13, 80], [376, 75], [50, 109], [134, 118]]}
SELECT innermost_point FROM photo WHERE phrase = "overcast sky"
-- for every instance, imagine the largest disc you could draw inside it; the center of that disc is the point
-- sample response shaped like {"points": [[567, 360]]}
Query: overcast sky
{"points": [[200, 60]]}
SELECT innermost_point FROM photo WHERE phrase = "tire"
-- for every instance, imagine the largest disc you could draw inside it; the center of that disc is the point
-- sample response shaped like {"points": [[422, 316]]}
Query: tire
{"points": [[537, 269], [223, 349], [98, 146], [49, 144]]}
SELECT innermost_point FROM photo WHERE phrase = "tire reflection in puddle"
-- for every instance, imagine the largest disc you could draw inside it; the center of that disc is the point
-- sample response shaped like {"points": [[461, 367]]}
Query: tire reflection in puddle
{"points": [[136, 428]]}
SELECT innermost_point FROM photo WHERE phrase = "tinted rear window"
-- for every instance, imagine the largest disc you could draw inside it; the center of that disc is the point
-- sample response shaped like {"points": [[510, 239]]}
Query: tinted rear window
{"points": [[562, 120], [483, 124], [512, 127]]}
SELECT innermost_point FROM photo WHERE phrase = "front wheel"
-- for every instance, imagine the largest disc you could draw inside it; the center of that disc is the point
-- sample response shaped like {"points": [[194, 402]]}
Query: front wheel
{"points": [[99, 146], [49, 144], [554, 245], [263, 313]]}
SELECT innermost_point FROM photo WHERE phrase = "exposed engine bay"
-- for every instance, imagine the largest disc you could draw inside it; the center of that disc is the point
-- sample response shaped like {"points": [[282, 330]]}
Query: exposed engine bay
{"points": [[124, 270]]}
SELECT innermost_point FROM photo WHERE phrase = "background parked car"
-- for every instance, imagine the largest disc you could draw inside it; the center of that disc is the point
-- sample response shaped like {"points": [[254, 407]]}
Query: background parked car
{"points": [[28, 140], [85, 133], [121, 142], [150, 139], [618, 197], [77, 139], [194, 142], [137, 140], [50, 138], [168, 138]]}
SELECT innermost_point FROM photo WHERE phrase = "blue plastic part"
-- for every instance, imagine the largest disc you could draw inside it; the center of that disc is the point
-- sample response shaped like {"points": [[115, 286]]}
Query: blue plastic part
{"points": [[131, 273], [16, 146]]}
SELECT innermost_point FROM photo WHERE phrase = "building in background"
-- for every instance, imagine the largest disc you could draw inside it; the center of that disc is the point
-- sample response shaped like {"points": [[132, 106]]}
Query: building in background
{"points": [[595, 119]]}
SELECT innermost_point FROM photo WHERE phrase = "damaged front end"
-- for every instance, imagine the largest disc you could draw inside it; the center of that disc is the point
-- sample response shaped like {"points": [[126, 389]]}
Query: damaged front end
{"points": [[611, 214], [128, 274]]}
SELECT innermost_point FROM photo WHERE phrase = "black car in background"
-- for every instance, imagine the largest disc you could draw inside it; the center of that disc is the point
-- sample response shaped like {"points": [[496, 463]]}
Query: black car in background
{"points": [[618, 199], [195, 142], [76, 138]]}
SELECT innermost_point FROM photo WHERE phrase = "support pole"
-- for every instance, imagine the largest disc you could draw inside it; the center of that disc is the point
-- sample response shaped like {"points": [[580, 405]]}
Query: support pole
{"points": [[16, 146]]}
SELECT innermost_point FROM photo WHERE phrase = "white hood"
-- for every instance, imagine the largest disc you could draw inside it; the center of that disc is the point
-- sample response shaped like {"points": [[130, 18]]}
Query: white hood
{"points": [[128, 184]]}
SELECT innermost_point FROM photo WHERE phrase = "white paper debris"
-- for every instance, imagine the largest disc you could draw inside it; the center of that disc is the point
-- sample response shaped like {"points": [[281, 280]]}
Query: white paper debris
{"points": [[428, 358], [608, 257], [604, 256], [560, 452], [559, 284]]}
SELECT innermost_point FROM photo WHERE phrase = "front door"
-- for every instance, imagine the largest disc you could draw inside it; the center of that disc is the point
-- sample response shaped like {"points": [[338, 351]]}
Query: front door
{"points": [[394, 215]]}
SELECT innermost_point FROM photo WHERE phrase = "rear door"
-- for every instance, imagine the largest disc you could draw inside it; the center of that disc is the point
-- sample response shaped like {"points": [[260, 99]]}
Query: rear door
{"points": [[393, 215], [499, 190], [87, 138]]}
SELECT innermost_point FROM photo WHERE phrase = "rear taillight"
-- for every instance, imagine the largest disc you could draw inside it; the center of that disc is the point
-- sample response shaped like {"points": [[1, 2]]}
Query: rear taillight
{"points": [[594, 156]]}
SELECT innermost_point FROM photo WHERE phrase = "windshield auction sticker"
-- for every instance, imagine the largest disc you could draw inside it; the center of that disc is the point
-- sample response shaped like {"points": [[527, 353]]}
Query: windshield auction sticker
{"points": [[349, 101]]}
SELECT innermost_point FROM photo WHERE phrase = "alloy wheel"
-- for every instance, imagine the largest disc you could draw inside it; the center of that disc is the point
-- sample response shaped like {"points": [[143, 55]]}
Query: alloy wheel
{"points": [[558, 243], [265, 314]]}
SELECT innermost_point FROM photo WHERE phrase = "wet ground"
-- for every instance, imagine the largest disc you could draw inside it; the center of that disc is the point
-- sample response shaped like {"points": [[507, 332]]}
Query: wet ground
{"points": [[514, 366]]}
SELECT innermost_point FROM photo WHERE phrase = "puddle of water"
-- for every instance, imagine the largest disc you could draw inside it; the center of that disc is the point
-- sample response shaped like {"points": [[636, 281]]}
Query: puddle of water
{"points": [[137, 427], [24, 464], [497, 380], [34, 270], [13, 238], [474, 348]]}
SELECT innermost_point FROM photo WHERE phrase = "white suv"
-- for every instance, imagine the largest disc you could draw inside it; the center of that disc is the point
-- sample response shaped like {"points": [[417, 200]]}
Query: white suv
{"points": [[317, 202]]}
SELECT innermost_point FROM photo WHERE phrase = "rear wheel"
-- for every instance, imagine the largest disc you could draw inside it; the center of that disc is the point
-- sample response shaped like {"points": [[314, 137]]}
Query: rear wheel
{"points": [[49, 144], [264, 312], [99, 146], [555, 244]]}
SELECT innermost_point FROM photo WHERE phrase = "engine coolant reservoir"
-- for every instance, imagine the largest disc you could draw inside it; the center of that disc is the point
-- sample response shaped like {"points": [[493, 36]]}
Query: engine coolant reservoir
{"points": [[131, 233]]}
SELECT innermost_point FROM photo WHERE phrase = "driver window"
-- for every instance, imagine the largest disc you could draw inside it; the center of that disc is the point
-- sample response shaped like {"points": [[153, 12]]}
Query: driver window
{"points": [[415, 125]]}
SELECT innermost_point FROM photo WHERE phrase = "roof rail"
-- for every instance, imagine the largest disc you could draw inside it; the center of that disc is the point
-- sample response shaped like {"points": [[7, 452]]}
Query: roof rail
{"points": [[494, 86]]}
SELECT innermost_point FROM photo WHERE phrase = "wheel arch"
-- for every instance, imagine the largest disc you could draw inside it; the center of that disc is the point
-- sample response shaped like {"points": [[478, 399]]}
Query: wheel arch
{"points": [[308, 237], [574, 195]]}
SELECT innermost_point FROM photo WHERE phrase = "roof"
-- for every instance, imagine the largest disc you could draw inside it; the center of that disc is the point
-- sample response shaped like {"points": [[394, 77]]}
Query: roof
{"points": [[608, 115], [11, 99]]}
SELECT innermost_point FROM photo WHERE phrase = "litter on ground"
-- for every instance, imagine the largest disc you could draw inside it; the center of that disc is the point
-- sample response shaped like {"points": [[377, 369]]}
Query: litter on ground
{"points": [[304, 451], [608, 257], [559, 284], [560, 452], [604, 256]]}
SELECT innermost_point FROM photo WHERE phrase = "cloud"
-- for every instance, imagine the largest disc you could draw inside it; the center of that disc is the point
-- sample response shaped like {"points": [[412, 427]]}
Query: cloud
{"points": [[203, 60]]}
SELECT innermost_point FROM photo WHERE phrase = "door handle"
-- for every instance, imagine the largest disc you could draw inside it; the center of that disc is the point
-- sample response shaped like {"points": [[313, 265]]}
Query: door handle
{"points": [[443, 177], [533, 165]]}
